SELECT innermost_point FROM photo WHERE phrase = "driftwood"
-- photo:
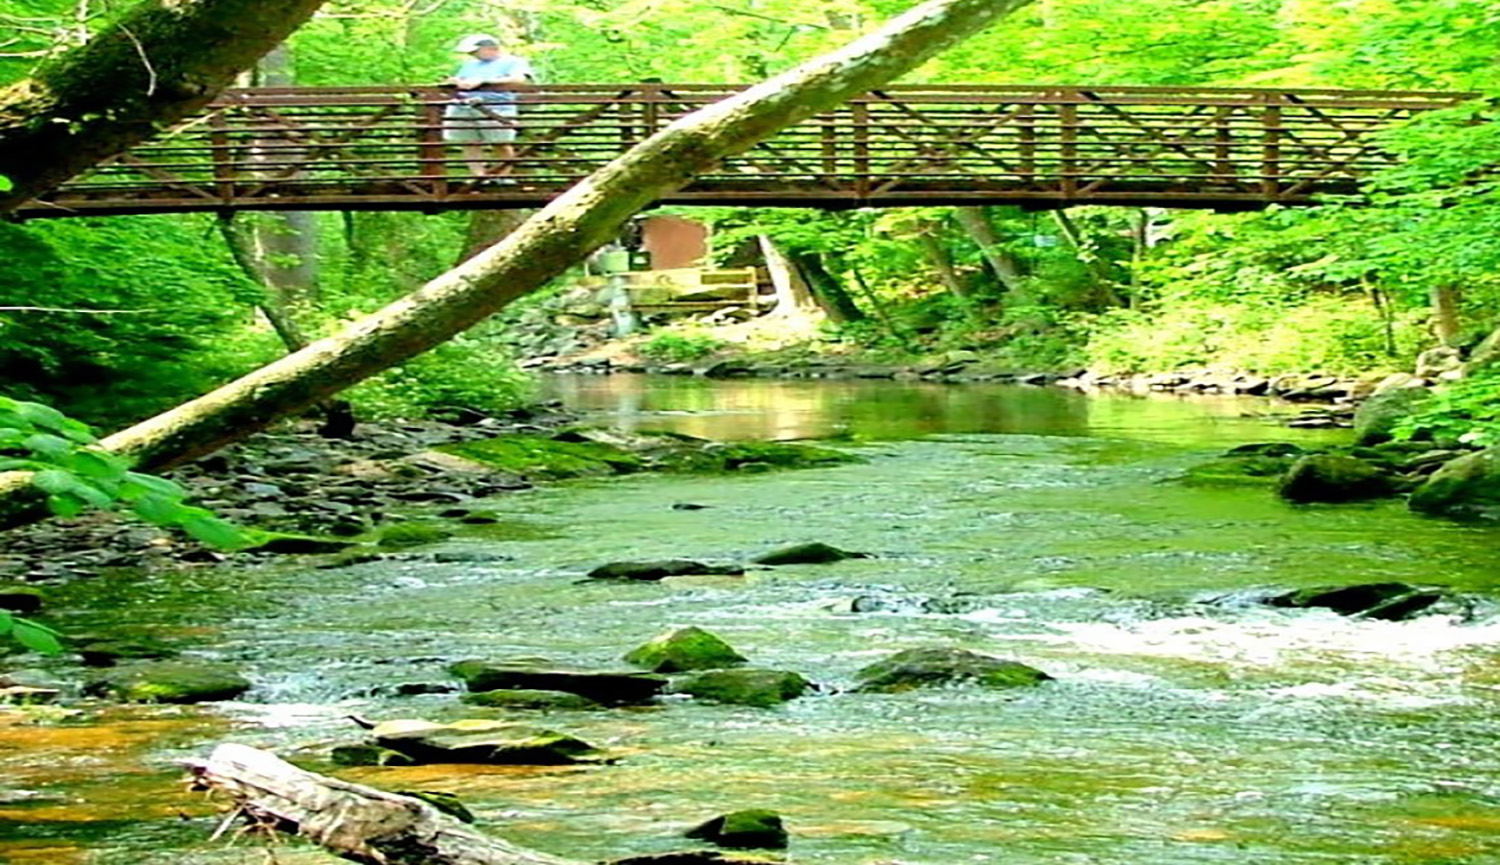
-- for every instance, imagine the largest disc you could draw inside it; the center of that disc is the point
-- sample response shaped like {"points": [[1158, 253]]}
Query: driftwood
{"points": [[359, 823]]}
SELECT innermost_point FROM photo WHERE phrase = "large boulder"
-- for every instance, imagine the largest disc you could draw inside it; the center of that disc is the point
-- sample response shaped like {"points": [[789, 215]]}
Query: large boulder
{"points": [[683, 650], [1376, 418], [520, 698], [1392, 602], [927, 668], [660, 570], [762, 688], [1333, 478], [1237, 470], [170, 682], [752, 828], [814, 553], [482, 741], [1464, 488], [609, 688]]}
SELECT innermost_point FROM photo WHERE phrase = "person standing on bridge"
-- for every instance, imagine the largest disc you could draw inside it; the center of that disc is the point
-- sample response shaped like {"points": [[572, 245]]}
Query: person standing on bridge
{"points": [[482, 119]]}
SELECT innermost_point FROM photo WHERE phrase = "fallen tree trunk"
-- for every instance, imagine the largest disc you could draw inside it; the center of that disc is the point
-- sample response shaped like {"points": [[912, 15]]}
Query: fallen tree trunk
{"points": [[575, 224], [359, 823], [160, 62]]}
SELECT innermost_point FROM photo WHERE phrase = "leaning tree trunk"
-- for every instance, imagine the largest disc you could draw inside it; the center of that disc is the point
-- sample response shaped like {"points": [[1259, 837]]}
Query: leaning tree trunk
{"points": [[826, 288], [577, 222], [979, 229], [793, 296], [163, 60]]}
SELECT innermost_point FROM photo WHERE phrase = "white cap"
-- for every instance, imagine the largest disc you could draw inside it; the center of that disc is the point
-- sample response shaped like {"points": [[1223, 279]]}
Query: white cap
{"points": [[474, 41]]}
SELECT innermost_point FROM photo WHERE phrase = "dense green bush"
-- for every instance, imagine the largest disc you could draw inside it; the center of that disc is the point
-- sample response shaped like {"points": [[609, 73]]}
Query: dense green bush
{"points": [[463, 374], [680, 347], [1466, 412]]}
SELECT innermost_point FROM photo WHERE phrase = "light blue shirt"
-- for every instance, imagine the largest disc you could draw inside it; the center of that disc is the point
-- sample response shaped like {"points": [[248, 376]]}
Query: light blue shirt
{"points": [[504, 66]]}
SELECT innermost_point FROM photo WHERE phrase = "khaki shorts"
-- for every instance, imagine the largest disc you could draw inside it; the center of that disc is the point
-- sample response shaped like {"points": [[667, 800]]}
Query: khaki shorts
{"points": [[483, 123]]}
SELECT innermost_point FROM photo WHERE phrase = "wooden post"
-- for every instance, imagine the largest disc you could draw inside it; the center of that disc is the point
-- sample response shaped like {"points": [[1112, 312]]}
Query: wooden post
{"points": [[1026, 122], [219, 153], [859, 112], [1270, 169], [829, 135], [1223, 167], [1068, 131], [431, 152]]}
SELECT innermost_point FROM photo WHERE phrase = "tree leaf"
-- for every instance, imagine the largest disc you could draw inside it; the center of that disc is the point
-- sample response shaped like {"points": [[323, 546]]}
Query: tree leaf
{"points": [[214, 531], [158, 509], [7, 621], [38, 638]]}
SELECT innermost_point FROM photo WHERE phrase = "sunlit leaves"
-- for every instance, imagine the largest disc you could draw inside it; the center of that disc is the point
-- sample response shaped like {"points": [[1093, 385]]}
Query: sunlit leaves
{"points": [[32, 635]]}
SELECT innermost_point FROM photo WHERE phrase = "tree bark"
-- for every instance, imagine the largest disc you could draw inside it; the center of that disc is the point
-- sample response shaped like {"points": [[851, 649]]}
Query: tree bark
{"points": [[285, 241], [273, 305], [574, 224], [942, 262], [487, 228], [163, 60], [358, 823], [793, 297], [1446, 320], [1004, 265], [826, 288], [1076, 242]]}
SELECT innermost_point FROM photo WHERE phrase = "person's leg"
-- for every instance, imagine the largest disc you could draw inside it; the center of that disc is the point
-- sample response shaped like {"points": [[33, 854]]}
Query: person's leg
{"points": [[477, 160]]}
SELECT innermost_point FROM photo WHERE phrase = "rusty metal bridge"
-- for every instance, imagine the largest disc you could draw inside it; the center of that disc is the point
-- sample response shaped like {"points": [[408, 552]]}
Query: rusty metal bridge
{"points": [[382, 148]]}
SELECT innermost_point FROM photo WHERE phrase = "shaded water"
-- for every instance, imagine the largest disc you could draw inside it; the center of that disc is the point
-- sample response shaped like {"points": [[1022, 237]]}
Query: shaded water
{"points": [[1177, 732]]}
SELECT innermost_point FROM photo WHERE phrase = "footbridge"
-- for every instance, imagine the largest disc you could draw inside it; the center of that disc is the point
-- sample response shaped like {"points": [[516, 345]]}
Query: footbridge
{"points": [[382, 148]]}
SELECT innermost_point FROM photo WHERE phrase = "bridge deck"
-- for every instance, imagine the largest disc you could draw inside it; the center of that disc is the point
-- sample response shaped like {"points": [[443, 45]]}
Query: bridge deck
{"points": [[348, 148]]}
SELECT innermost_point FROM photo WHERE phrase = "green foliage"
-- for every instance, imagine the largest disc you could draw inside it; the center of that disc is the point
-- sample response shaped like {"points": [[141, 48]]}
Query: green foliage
{"points": [[32, 635], [679, 347], [76, 476], [464, 373], [1466, 412]]}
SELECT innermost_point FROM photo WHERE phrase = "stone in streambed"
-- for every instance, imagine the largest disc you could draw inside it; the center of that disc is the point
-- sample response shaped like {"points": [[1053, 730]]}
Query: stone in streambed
{"points": [[754, 828], [497, 743], [21, 599], [652, 571], [609, 688], [928, 668], [108, 653], [520, 698], [761, 688], [1333, 478], [368, 755], [445, 802], [691, 857], [412, 535], [1392, 602], [170, 682], [683, 650], [301, 545], [815, 553], [1464, 488]]}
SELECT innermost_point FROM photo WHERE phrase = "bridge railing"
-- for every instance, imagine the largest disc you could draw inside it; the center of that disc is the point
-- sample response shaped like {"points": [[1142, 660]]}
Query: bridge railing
{"points": [[383, 147]]}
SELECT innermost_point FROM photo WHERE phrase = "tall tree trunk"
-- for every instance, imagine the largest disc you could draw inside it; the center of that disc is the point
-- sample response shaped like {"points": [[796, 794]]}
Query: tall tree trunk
{"points": [[977, 225], [826, 288], [272, 305], [793, 297], [574, 224], [286, 241], [1076, 241], [942, 262], [163, 60], [1446, 321]]}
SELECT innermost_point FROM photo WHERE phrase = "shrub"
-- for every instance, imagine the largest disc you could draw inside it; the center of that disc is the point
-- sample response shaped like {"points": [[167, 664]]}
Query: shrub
{"points": [[680, 347]]}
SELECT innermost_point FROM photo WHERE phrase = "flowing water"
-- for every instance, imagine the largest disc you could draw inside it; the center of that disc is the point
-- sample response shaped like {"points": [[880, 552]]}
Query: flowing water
{"points": [[1026, 523]]}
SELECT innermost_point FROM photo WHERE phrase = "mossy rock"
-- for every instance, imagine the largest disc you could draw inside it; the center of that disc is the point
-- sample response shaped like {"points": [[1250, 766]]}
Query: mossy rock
{"points": [[1376, 418], [683, 650], [1266, 449], [609, 688], [522, 698], [543, 457], [751, 828], [1333, 478], [1237, 471], [718, 457], [21, 599], [660, 570], [445, 802], [411, 535], [496, 743], [927, 668], [814, 553], [170, 682], [1390, 602], [742, 687], [1464, 488], [108, 653]]}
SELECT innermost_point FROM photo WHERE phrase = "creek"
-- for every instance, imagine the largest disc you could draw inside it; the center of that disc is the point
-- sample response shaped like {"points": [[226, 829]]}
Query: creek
{"points": [[1027, 523]]}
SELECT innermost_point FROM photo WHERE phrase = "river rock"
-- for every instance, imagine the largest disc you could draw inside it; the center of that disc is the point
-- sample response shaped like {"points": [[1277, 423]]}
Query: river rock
{"points": [[687, 857], [1392, 602], [609, 688], [652, 571], [412, 535], [365, 754], [683, 650], [1465, 488], [21, 599], [1376, 418], [762, 688], [445, 802], [1265, 449], [815, 553], [497, 743], [108, 653], [521, 698], [1333, 478], [1434, 363], [170, 682], [927, 668], [747, 829], [1236, 471], [299, 545]]}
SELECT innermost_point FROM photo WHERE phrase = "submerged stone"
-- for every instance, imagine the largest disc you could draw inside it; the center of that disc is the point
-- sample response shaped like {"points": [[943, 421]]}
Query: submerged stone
{"points": [[609, 688], [21, 599], [170, 682], [368, 755], [487, 742], [652, 571], [521, 698], [107, 653], [1236, 471], [1464, 488], [815, 553], [753, 828], [445, 802], [301, 545], [552, 458], [691, 857], [762, 688], [927, 668], [685, 649], [1265, 449], [412, 535], [1333, 478]]}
